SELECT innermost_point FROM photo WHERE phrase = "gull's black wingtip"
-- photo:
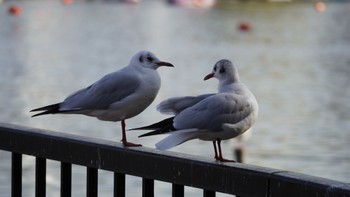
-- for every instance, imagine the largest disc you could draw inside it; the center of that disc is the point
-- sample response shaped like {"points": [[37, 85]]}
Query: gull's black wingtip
{"points": [[160, 127], [163, 130], [156, 132], [149, 127], [35, 115], [50, 109], [157, 125]]}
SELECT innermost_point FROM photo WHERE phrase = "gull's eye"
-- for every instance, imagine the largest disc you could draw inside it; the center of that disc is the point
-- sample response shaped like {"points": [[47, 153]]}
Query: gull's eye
{"points": [[149, 58], [222, 70], [214, 69]]}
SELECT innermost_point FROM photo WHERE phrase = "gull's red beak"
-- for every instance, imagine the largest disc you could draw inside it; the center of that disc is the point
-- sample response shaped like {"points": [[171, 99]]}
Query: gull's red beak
{"points": [[211, 75], [164, 64]]}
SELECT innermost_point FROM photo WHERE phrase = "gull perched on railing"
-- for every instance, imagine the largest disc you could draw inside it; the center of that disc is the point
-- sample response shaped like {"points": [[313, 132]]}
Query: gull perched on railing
{"points": [[209, 117], [116, 96]]}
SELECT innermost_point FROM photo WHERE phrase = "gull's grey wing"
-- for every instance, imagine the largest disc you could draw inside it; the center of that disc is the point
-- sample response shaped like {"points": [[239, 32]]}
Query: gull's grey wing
{"points": [[178, 104], [100, 95], [211, 113]]}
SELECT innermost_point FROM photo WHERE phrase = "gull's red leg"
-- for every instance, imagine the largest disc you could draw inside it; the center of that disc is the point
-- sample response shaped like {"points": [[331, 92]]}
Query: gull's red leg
{"points": [[124, 140], [220, 154], [216, 151]]}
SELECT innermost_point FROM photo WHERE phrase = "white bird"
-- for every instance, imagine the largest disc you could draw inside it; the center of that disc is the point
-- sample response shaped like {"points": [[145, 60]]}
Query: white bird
{"points": [[116, 96], [209, 117]]}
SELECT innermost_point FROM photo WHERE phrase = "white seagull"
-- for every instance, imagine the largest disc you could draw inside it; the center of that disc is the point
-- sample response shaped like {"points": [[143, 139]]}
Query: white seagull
{"points": [[209, 117], [116, 96]]}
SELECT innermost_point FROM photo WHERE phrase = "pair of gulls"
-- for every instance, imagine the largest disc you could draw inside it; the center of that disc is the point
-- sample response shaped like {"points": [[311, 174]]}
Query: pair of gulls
{"points": [[126, 93]]}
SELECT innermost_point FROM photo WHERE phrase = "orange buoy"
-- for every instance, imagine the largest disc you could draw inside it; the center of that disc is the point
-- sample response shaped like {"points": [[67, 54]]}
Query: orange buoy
{"points": [[15, 10], [67, 2], [243, 26], [320, 6]]}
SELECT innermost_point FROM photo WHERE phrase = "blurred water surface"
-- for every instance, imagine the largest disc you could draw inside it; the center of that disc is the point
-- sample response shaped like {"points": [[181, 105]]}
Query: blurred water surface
{"points": [[295, 59]]}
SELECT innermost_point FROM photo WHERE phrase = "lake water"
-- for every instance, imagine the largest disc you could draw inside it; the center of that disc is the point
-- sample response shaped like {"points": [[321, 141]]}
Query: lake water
{"points": [[295, 59]]}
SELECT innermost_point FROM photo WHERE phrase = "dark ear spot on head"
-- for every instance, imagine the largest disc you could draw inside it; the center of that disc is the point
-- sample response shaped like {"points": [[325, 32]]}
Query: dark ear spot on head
{"points": [[150, 58], [141, 59], [222, 70]]}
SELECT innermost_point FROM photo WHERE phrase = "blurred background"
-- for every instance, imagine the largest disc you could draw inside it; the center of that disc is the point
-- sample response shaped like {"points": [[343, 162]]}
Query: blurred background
{"points": [[293, 55]]}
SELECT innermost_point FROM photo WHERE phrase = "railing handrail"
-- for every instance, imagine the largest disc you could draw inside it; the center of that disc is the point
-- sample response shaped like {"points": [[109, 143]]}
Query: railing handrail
{"points": [[181, 169]]}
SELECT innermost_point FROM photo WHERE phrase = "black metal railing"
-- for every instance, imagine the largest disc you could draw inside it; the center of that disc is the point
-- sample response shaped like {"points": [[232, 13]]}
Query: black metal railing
{"points": [[178, 169]]}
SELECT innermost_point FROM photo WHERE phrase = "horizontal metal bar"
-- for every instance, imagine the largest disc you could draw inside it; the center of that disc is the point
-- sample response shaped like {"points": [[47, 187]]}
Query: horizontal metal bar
{"points": [[182, 169], [290, 184]]}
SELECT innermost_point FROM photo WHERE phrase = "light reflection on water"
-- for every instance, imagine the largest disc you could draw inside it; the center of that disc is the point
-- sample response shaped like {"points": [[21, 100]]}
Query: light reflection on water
{"points": [[297, 67]]}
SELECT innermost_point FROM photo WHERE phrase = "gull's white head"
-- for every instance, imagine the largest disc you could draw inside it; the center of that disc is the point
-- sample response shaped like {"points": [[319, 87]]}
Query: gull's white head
{"points": [[147, 59], [224, 71]]}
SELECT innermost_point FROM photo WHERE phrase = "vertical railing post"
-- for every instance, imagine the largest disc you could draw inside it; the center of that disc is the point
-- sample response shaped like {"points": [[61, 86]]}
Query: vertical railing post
{"points": [[147, 187], [119, 184], [16, 175], [178, 190], [207, 193], [66, 179], [40, 177], [92, 182]]}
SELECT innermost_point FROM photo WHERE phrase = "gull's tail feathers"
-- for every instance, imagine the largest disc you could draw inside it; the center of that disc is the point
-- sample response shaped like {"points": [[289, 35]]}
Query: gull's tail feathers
{"points": [[175, 139]]}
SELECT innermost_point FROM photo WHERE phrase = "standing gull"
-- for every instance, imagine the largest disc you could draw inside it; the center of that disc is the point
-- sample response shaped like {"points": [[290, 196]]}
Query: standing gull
{"points": [[209, 117], [116, 96]]}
